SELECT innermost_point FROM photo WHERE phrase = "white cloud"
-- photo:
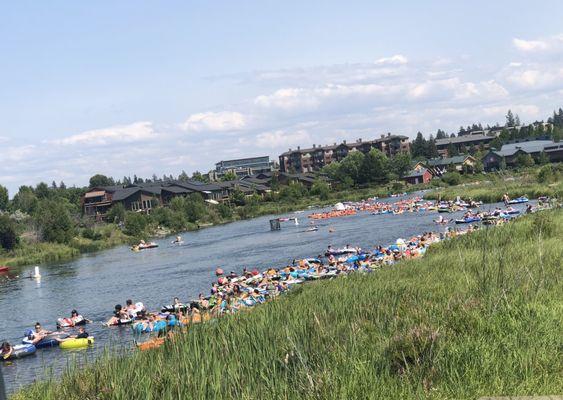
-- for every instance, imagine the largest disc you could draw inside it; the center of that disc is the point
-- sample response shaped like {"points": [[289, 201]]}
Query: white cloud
{"points": [[288, 98], [16, 153], [529, 45], [137, 131], [537, 77], [278, 139], [215, 122], [397, 59]]}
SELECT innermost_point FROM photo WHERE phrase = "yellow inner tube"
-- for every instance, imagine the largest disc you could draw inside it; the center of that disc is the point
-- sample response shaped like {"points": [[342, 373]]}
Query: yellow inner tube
{"points": [[76, 343]]}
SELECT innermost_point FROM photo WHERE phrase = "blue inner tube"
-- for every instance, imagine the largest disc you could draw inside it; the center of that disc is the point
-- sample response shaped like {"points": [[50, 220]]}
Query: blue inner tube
{"points": [[48, 341], [20, 351]]}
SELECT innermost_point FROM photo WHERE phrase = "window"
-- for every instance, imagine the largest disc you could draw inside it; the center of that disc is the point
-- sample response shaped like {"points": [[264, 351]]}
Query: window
{"points": [[135, 205]]}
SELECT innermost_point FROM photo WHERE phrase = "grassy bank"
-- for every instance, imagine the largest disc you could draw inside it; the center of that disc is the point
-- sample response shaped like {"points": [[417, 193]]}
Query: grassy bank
{"points": [[479, 315], [492, 189]]}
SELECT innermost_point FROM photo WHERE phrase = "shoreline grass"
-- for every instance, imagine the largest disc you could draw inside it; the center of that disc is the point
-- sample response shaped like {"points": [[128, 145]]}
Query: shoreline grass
{"points": [[480, 315]]}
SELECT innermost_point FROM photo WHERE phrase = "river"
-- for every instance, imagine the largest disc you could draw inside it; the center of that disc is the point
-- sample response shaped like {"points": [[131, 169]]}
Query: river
{"points": [[95, 282]]}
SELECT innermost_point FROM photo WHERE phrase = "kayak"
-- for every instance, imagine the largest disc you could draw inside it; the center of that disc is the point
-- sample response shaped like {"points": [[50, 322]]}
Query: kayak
{"points": [[70, 322], [3, 268], [20, 351], [48, 341], [76, 343], [519, 200]]}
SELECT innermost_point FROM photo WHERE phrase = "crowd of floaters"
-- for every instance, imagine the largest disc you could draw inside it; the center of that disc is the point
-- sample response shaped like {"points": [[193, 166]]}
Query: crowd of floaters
{"points": [[233, 292]]}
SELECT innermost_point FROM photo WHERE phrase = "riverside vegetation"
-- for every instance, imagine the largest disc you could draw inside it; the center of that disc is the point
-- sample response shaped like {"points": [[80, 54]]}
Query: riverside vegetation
{"points": [[479, 315], [44, 224]]}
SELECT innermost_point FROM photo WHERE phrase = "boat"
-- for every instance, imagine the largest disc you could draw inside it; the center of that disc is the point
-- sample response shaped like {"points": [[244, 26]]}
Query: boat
{"points": [[20, 351], [519, 200], [48, 341], [444, 210], [76, 343]]}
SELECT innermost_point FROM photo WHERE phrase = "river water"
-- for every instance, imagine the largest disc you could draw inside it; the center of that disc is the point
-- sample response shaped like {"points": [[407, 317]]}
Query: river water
{"points": [[94, 283]]}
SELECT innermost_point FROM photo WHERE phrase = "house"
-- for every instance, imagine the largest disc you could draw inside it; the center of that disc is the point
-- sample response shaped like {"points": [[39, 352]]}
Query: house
{"points": [[421, 175], [242, 166], [316, 157], [507, 156], [463, 143], [143, 197], [461, 163]]}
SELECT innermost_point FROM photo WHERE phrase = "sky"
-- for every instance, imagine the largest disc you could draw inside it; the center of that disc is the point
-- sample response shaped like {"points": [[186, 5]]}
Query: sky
{"points": [[143, 87]]}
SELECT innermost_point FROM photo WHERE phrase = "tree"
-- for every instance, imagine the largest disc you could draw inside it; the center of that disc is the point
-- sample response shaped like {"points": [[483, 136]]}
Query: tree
{"points": [[510, 121], [320, 188], [229, 176], [62, 186], [100, 180], [374, 167], [4, 199], [543, 158], [524, 160], [195, 207], [351, 166], [25, 200], [431, 149], [452, 150], [42, 191], [8, 234], [496, 143], [440, 134], [452, 178], [55, 221], [401, 164], [197, 176], [135, 223], [116, 213], [418, 146]]}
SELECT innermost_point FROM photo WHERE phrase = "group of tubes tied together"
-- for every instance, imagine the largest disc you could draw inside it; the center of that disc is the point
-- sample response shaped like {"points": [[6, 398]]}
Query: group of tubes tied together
{"points": [[234, 292]]}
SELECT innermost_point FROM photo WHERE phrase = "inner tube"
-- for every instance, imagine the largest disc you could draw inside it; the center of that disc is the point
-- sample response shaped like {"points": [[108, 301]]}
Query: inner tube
{"points": [[77, 343], [70, 322], [20, 351], [121, 322], [48, 341]]}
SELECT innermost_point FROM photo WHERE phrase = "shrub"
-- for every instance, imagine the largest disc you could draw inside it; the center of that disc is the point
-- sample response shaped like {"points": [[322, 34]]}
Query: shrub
{"points": [[452, 178], [135, 223], [8, 234]]}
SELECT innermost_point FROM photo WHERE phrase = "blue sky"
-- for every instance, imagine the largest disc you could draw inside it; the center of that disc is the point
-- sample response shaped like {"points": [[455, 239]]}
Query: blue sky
{"points": [[125, 88]]}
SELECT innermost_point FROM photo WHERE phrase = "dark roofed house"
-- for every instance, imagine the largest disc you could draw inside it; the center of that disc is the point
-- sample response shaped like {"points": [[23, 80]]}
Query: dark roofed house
{"points": [[508, 154], [463, 143]]}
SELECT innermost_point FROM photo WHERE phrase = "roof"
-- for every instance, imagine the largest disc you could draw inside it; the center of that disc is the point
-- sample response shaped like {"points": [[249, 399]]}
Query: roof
{"points": [[436, 162], [176, 189], [416, 173], [463, 139], [533, 146], [349, 145], [123, 193]]}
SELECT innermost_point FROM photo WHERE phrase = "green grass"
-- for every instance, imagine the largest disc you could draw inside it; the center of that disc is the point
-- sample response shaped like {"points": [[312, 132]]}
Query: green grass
{"points": [[491, 191], [479, 315]]}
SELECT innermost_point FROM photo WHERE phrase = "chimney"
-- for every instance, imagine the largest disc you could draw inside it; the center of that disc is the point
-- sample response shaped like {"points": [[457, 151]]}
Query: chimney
{"points": [[344, 141], [359, 140], [298, 147], [388, 134], [335, 143], [290, 149], [314, 146], [382, 136]]}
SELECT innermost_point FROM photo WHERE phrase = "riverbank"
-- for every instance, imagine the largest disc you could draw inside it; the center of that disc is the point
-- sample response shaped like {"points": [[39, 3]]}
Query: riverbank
{"points": [[491, 189], [479, 315]]}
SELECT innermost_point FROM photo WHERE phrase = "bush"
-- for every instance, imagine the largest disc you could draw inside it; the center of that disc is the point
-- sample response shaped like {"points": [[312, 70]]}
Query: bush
{"points": [[135, 223], [116, 214], [321, 189], [452, 178], [55, 221], [8, 234], [91, 234]]}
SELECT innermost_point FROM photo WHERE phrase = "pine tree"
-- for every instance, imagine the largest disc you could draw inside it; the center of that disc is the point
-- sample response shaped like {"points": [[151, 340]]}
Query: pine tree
{"points": [[510, 119], [418, 148]]}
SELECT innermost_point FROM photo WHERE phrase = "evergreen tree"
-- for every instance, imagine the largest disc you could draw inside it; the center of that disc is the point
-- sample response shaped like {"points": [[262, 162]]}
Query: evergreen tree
{"points": [[440, 134], [431, 149], [62, 185], [4, 198], [183, 177], [418, 147], [510, 119]]}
